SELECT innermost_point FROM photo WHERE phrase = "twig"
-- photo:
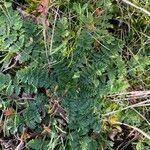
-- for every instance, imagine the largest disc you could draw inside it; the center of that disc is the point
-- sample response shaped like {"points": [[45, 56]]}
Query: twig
{"points": [[137, 7], [53, 30], [45, 34], [135, 128], [16, 58], [141, 116], [136, 94], [140, 104]]}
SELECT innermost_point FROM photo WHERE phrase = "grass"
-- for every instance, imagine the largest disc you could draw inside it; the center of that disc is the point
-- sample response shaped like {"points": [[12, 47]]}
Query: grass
{"points": [[136, 18]]}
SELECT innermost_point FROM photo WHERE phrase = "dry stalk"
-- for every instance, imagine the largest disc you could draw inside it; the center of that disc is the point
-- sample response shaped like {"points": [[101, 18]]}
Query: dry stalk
{"points": [[135, 94], [137, 7]]}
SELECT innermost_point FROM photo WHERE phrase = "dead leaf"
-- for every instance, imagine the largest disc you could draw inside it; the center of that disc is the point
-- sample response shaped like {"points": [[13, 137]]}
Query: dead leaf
{"points": [[43, 6], [48, 93], [113, 134], [52, 108], [8, 144], [99, 11], [9, 111], [26, 136], [46, 129]]}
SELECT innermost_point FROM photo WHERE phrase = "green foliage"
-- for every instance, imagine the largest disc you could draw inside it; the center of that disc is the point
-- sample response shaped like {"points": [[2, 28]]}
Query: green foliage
{"points": [[73, 72], [37, 144], [32, 6]]}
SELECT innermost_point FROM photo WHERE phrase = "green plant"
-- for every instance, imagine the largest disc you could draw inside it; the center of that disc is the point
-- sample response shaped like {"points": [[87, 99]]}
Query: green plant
{"points": [[54, 81]]}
